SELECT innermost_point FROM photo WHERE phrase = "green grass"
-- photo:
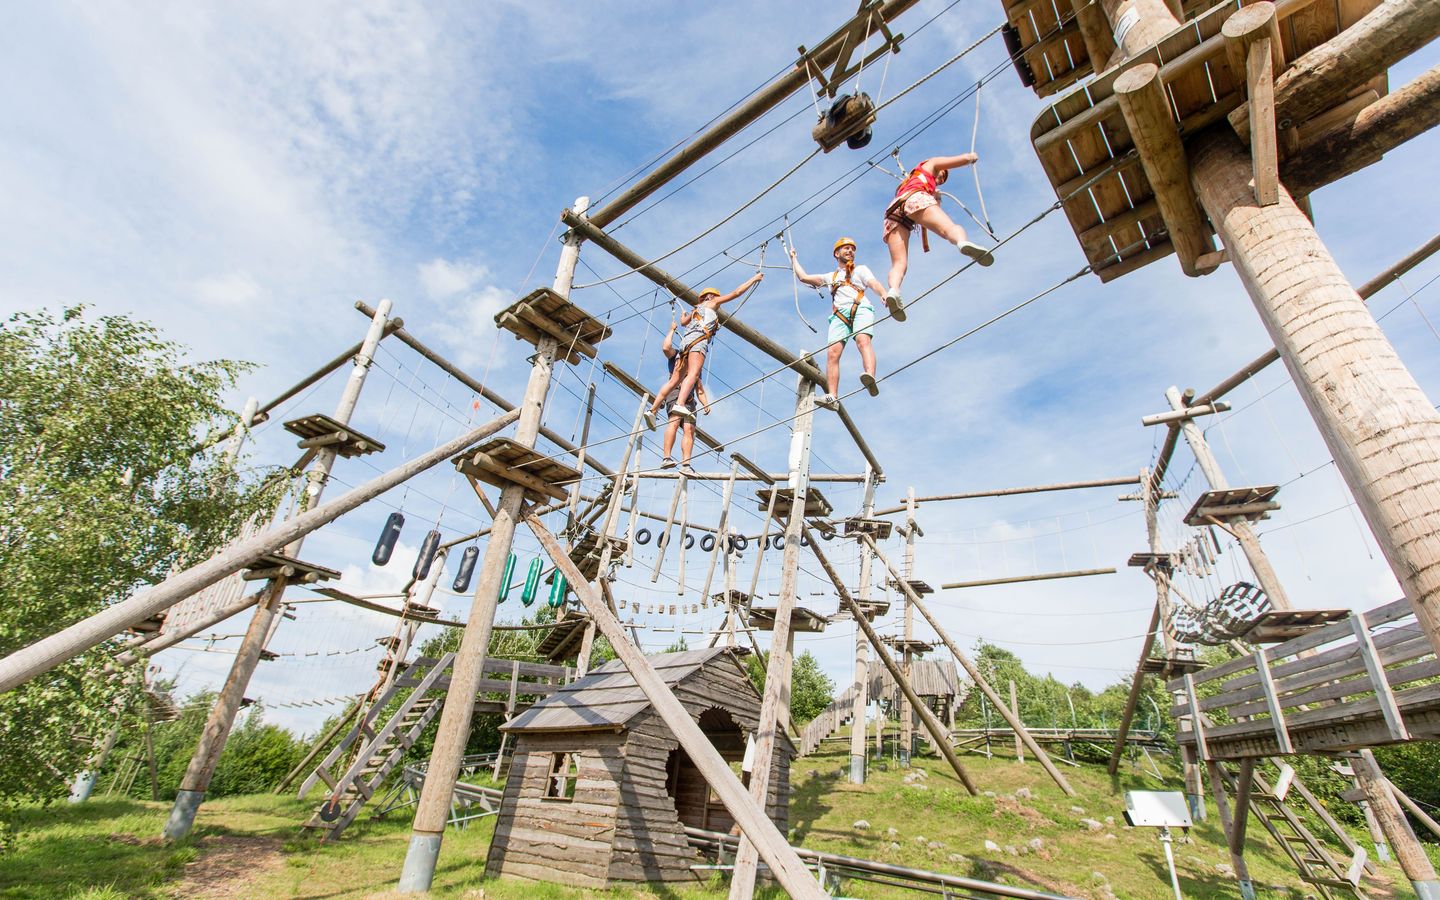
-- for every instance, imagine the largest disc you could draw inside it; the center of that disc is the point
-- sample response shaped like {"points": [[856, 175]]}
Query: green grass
{"points": [[110, 848]]}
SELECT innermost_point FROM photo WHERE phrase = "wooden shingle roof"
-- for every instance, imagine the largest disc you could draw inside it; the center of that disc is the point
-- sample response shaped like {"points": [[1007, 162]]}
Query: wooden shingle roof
{"points": [[608, 698]]}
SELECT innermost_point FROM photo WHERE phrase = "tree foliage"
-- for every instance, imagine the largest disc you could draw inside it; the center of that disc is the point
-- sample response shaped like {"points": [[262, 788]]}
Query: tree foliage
{"points": [[811, 690], [106, 485]]}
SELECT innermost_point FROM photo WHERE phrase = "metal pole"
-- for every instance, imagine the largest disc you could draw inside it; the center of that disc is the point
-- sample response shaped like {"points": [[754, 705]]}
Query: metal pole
{"points": [[432, 811]]}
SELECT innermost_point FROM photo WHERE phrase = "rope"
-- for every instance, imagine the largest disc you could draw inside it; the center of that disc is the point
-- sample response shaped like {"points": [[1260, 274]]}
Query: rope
{"points": [[795, 285], [975, 166]]}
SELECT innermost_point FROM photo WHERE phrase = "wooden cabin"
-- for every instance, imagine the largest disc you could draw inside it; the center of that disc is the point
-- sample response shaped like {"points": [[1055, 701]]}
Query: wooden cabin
{"points": [[600, 792], [935, 680]]}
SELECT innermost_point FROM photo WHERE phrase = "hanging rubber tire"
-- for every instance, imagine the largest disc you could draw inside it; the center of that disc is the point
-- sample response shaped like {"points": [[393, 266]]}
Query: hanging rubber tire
{"points": [[707, 543], [804, 541], [828, 535], [663, 540], [742, 543], [330, 810], [778, 542], [642, 537], [689, 541]]}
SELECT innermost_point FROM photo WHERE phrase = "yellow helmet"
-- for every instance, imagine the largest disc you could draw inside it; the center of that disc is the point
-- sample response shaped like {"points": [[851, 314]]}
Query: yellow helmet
{"points": [[708, 291], [843, 242]]}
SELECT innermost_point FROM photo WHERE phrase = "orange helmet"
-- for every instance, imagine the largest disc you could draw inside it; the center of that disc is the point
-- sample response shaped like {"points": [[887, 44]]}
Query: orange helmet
{"points": [[844, 242], [708, 291]]}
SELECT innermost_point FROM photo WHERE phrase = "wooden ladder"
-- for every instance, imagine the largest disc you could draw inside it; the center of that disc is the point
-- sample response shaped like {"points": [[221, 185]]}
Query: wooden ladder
{"points": [[1312, 860], [379, 754]]}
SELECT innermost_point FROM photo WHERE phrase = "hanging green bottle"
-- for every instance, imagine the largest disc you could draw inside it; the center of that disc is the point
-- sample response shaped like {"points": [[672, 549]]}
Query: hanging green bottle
{"points": [[532, 582], [558, 587], [505, 579]]}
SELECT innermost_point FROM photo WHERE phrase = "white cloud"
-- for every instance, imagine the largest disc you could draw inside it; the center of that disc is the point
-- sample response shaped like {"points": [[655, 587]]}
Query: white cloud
{"points": [[443, 279], [233, 289]]}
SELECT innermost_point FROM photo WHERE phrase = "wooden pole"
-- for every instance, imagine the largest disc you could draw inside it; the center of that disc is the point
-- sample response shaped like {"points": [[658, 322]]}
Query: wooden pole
{"points": [[433, 809], [221, 720], [1137, 684], [1420, 814], [746, 811], [907, 714], [1146, 109], [1019, 579], [1403, 841], [316, 748], [1228, 823], [933, 725], [1362, 140], [1015, 705], [1376, 421], [862, 654], [775, 705], [1009, 492], [975, 674]]}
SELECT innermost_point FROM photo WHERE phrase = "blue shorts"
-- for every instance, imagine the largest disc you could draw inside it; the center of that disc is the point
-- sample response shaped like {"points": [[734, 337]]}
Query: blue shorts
{"points": [[864, 324]]}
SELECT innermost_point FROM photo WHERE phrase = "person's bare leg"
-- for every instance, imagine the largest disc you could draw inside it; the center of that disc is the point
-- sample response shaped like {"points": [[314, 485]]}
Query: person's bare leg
{"points": [[693, 364], [898, 240], [665, 390], [867, 352], [687, 443], [935, 219], [832, 368]]}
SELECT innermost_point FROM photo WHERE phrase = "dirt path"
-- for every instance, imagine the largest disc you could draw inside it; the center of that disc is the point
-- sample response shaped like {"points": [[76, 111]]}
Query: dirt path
{"points": [[228, 865]]}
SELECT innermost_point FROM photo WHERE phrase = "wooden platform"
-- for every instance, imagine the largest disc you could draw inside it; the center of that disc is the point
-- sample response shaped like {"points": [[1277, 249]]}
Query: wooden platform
{"points": [[816, 506], [501, 462], [802, 620], [914, 645], [738, 599], [1171, 666], [873, 609], [585, 553], [320, 430], [272, 564], [1248, 503], [563, 640], [1283, 625], [879, 529], [545, 314], [1164, 561], [920, 587], [1083, 141], [1371, 681]]}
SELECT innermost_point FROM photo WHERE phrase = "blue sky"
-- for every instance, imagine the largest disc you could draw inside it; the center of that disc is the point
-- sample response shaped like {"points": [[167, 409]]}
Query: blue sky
{"points": [[242, 175]]}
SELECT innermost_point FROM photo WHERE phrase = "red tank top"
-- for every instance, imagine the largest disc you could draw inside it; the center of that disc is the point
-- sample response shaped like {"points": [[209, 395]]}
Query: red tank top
{"points": [[918, 180]]}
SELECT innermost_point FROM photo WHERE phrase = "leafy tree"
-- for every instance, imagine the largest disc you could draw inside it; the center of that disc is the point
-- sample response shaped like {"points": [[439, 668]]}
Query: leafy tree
{"points": [[107, 482], [811, 690]]}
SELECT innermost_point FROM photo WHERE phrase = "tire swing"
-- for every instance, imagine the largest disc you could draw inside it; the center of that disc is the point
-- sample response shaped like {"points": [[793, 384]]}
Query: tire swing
{"points": [[642, 536], [707, 543]]}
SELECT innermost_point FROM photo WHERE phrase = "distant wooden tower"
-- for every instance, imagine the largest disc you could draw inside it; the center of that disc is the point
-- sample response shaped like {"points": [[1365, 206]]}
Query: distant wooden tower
{"points": [[599, 790]]}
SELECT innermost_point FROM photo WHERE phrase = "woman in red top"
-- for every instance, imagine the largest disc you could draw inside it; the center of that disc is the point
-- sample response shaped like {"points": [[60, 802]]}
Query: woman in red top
{"points": [[917, 204]]}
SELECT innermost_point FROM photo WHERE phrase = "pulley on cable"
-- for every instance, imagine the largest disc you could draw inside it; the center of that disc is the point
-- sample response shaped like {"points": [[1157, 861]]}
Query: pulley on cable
{"points": [[848, 120]]}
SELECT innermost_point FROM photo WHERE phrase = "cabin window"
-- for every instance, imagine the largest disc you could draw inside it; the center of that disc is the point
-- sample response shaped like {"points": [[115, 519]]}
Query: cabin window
{"points": [[564, 772]]}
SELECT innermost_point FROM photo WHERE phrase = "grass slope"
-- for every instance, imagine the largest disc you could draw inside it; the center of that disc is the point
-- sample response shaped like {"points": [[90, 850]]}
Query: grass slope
{"points": [[250, 846]]}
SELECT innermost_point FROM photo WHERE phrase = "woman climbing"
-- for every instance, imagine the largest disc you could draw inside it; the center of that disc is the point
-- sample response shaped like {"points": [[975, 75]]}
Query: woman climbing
{"points": [[917, 204], [701, 323]]}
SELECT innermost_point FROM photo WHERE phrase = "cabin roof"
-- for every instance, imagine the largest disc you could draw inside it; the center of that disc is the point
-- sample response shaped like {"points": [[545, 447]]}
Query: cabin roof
{"points": [[608, 698]]}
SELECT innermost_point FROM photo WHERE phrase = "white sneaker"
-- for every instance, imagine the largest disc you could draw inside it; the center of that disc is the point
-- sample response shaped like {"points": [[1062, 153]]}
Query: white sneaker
{"points": [[687, 469], [683, 412], [650, 419], [828, 401], [976, 252], [897, 309], [870, 384], [667, 463]]}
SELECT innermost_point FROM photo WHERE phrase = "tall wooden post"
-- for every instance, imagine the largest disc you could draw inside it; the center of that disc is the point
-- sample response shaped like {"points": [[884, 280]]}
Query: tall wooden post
{"points": [[775, 705], [267, 611], [862, 649], [907, 715], [1015, 705], [433, 809]]}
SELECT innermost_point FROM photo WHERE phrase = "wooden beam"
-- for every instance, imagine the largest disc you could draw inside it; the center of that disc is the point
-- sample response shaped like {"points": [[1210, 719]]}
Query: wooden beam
{"points": [[1252, 41], [1324, 77], [1136, 685], [1008, 492], [1152, 128], [1374, 131], [1016, 579], [1094, 32], [1180, 415]]}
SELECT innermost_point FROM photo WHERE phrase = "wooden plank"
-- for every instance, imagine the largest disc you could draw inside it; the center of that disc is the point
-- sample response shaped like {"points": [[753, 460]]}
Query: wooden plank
{"points": [[1378, 678], [1198, 729], [1272, 703]]}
